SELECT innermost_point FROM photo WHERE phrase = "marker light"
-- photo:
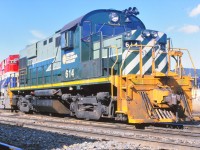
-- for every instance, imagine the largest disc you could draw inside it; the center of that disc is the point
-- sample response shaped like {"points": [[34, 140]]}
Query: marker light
{"points": [[154, 34], [146, 33]]}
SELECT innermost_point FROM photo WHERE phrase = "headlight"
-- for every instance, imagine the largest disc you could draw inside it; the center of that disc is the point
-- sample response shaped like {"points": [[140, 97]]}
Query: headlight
{"points": [[114, 17], [154, 34], [146, 33]]}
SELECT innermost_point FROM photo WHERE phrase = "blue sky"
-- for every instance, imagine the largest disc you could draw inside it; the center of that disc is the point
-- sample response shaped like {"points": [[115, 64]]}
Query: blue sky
{"points": [[23, 22]]}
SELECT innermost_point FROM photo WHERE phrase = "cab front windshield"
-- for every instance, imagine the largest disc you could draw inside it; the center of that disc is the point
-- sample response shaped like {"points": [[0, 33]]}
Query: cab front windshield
{"points": [[109, 30]]}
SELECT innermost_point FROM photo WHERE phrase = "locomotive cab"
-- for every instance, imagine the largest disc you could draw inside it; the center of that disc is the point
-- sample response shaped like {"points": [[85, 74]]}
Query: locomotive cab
{"points": [[97, 30]]}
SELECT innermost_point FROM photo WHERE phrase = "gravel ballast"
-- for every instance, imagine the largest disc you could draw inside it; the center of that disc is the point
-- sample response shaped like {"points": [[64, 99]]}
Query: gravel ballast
{"points": [[31, 139]]}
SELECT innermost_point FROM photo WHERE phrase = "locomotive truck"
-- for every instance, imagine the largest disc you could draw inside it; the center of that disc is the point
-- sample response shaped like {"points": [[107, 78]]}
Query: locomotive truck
{"points": [[105, 64]]}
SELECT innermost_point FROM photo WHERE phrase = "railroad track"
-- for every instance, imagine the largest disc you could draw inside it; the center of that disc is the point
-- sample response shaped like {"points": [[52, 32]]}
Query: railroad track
{"points": [[4, 146], [155, 138], [187, 129], [176, 133]]}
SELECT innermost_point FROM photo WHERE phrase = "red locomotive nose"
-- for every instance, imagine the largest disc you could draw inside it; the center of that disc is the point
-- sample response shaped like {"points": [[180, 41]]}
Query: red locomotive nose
{"points": [[11, 64], [9, 69]]}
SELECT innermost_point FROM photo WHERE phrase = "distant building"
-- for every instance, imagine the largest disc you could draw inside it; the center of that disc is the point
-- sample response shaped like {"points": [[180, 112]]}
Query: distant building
{"points": [[190, 71]]}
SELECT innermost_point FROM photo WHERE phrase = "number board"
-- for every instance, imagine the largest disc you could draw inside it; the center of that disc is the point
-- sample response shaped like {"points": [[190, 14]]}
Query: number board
{"points": [[69, 73], [127, 44]]}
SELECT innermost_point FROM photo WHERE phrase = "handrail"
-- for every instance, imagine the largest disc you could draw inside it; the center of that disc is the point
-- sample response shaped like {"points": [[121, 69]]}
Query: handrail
{"points": [[112, 71], [191, 60], [140, 51], [153, 56], [126, 57]]}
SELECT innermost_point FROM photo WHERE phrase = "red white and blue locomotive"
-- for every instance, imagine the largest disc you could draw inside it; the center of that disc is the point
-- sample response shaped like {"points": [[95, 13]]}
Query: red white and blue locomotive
{"points": [[9, 72]]}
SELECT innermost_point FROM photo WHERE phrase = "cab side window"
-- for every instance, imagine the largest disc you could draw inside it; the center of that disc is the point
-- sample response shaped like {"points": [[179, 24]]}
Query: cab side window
{"points": [[67, 40]]}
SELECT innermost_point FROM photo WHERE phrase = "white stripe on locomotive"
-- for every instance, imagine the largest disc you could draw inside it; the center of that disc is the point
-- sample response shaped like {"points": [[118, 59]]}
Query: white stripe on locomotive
{"points": [[135, 61], [148, 64]]}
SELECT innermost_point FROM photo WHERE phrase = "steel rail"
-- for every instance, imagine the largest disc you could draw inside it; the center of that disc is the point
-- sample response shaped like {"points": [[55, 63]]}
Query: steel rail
{"points": [[186, 132], [55, 125], [4, 146], [190, 127], [153, 143]]}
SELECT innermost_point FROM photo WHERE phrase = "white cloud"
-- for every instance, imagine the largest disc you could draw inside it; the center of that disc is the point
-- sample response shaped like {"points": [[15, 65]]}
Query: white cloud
{"points": [[189, 29], [171, 29], [37, 34], [33, 41], [195, 11]]}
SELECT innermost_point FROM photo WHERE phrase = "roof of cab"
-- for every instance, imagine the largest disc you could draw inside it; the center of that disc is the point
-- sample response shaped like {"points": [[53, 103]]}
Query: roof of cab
{"points": [[78, 20], [71, 24]]}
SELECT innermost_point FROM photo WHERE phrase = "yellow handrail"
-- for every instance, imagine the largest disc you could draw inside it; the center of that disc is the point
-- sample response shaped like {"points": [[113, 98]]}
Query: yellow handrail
{"points": [[112, 71], [128, 50], [120, 86], [153, 61], [191, 60], [153, 56], [195, 71], [126, 57]]}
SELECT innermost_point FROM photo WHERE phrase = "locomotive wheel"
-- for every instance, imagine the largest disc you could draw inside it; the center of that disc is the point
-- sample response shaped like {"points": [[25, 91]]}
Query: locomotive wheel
{"points": [[24, 105], [139, 126]]}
